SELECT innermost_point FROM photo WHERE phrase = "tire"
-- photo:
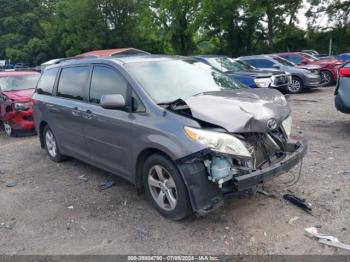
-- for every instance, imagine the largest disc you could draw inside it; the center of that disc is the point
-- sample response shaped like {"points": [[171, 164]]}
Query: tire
{"points": [[327, 77], [51, 145], [8, 129], [163, 181], [296, 86]]}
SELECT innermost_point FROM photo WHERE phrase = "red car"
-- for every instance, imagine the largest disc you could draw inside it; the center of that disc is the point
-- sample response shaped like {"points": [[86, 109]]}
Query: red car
{"points": [[16, 90], [112, 52], [328, 67]]}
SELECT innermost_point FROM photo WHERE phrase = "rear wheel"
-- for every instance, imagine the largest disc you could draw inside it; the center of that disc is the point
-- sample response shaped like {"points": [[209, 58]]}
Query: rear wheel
{"points": [[296, 86], [327, 77], [51, 145], [165, 188]]}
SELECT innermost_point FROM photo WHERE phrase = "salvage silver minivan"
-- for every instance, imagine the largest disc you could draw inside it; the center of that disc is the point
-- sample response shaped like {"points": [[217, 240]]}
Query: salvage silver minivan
{"points": [[178, 129]]}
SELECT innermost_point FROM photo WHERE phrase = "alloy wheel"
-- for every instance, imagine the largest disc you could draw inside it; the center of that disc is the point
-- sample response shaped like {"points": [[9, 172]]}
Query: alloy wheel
{"points": [[162, 187], [326, 76], [294, 86], [51, 143]]}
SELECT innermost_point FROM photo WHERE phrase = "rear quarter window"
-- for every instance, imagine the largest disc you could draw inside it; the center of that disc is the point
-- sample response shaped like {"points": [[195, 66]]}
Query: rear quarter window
{"points": [[47, 81]]}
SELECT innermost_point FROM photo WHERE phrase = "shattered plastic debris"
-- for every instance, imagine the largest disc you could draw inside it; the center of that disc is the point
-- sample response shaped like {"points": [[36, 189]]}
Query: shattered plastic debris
{"points": [[106, 185], [83, 178], [8, 226], [306, 206], [326, 239], [292, 220], [11, 184]]}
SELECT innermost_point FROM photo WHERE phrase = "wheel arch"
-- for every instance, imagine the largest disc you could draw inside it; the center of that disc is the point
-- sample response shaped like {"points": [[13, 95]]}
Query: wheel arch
{"points": [[140, 160], [41, 132]]}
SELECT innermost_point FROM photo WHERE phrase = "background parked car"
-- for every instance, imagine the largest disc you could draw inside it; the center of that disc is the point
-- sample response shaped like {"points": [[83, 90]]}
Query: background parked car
{"points": [[16, 90], [246, 74], [342, 92], [301, 78], [329, 66], [343, 57]]}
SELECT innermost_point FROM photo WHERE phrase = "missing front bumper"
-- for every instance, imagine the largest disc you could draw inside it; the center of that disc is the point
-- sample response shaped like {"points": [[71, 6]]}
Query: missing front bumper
{"points": [[206, 195], [295, 153]]}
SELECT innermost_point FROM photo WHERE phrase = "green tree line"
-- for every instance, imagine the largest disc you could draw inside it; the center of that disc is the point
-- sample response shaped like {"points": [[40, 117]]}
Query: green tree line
{"points": [[34, 31]]}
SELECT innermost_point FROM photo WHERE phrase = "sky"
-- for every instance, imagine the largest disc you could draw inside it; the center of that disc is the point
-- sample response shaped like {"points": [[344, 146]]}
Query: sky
{"points": [[322, 21]]}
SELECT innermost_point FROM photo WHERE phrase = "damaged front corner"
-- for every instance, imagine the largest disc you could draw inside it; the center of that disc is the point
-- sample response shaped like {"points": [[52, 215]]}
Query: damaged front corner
{"points": [[204, 194]]}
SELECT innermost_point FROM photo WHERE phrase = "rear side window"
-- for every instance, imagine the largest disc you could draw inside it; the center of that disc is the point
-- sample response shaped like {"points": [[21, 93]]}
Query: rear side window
{"points": [[72, 82], [264, 63], [106, 81], [46, 82]]}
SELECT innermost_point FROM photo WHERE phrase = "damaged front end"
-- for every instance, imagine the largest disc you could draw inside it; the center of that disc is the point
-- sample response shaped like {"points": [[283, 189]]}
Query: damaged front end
{"points": [[234, 162], [211, 175], [19, 115]]}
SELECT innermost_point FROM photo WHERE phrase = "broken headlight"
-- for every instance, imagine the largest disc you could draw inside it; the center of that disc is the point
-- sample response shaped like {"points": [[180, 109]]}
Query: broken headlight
{"points": [[218, 142], [22, 106], [287, 125]]}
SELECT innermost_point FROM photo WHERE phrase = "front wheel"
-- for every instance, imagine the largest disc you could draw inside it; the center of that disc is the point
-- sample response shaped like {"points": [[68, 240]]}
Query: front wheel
{"points": [[165, 188], [51, 145], [8, 129], [327, 77], [296, 86]]}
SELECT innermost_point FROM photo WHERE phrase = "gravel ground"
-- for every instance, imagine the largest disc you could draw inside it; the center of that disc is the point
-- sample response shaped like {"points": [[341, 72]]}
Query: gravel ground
{"points": [[49, 210]]}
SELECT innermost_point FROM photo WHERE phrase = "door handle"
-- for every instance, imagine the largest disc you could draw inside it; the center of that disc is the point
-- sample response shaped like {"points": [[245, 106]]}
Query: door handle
{"points": [[76, 111], [88, 114]]}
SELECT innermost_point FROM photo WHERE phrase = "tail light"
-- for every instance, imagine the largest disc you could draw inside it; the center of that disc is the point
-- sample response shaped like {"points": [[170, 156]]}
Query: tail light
{"points": [[344, 72]]}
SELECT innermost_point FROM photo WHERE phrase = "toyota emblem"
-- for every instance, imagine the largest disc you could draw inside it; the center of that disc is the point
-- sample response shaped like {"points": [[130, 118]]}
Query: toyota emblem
{"points": [[272, 124]]}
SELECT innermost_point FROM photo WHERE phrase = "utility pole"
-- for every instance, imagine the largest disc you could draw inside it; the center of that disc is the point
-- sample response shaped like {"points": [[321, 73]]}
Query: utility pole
{"points": [[330, 46]]}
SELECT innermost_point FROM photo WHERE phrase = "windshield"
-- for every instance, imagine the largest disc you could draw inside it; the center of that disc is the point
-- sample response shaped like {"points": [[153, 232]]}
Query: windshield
{"points": [[13, 83], [283, 61], [311, 57], [167, 81], [245, 65], [225, 64]]}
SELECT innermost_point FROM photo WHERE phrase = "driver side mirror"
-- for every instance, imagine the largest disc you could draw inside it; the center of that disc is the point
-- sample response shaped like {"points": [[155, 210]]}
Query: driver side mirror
{"points": [[116, 102], [303, 62], [276, 66]]}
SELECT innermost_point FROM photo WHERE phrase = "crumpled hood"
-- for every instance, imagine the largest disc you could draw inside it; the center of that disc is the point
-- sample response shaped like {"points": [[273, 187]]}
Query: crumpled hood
{"points": [[240, 111], [20, 95]]}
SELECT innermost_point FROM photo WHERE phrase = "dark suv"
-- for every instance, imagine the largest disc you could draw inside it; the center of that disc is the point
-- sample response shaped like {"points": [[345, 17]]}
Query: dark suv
{"points": [[177, 128]]}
